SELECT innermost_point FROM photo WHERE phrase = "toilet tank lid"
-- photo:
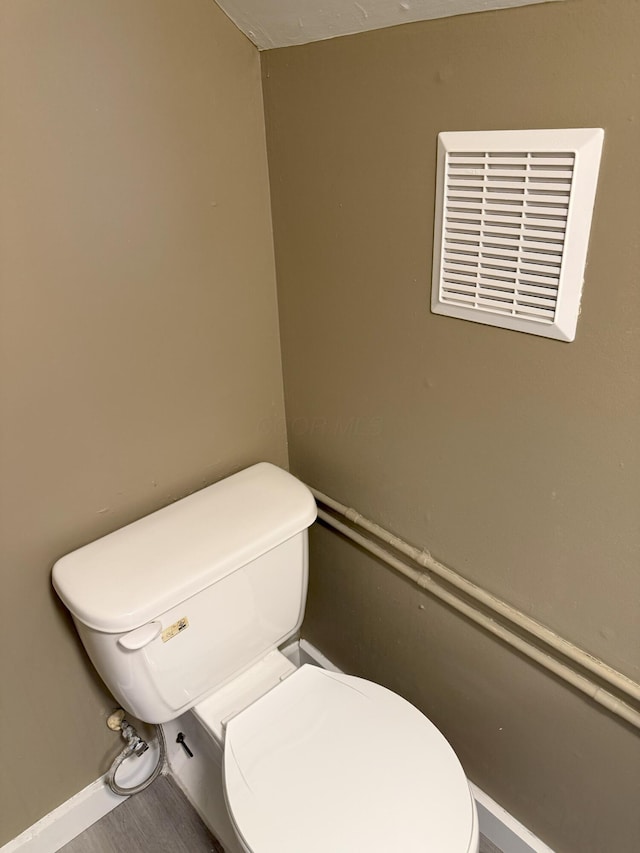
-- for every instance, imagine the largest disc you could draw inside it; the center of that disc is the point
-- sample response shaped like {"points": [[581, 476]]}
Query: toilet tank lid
{"points": [[131, 576]]}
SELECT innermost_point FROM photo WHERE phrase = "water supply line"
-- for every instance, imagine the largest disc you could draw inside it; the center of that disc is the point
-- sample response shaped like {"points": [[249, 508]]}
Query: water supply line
{"points": [[472, 601], [135, 746]]}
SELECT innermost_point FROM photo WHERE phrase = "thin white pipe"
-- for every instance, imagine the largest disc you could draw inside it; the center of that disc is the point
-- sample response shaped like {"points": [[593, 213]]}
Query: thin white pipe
{"points": [[605, 673], [501, 608]]}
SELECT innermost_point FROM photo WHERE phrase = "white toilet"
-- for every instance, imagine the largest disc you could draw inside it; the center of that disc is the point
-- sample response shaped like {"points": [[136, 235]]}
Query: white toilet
{"points": [[186, 609]]}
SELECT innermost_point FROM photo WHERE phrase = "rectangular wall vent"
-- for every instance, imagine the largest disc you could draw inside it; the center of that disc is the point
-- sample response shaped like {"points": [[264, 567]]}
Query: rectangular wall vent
{"points": [[513, 214]]}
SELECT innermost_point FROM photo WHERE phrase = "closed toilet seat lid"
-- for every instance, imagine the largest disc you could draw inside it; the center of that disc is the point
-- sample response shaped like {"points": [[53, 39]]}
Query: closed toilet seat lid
{"points": [[330, 762]]}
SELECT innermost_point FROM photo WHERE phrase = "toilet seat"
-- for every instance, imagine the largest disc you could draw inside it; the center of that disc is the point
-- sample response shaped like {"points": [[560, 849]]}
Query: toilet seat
{"points": [[330, 762]]}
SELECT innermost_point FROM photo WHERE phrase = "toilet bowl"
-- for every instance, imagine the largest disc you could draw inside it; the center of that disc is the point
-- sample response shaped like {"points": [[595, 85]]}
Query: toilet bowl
{"points": [[332, 762], [311, 760], [303, 747]]}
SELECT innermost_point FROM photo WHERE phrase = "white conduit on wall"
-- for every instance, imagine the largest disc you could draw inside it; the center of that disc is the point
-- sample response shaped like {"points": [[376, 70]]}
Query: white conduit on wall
{"points": [[510, 615]]}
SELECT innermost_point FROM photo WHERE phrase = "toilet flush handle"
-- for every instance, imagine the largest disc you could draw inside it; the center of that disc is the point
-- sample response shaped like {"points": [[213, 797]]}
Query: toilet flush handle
{"points": [[141, 636]]}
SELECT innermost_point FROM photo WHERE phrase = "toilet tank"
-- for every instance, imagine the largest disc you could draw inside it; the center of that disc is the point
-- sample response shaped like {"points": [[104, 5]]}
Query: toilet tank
{"points": [[176, 604]]}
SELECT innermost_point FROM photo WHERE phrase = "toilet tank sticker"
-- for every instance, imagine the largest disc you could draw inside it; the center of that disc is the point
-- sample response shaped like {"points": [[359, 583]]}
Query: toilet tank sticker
{"points": [[175, 629]]}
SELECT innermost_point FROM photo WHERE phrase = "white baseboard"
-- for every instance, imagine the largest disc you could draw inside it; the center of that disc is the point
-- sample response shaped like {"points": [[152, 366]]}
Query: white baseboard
{"points": [[502, 829], [496, 824], [63, 824], [71, 818]]}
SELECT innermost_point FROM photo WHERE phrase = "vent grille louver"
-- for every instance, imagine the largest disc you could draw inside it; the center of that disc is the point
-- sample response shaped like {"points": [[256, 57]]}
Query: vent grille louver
{"points": [[504, 230], [503, 227]]}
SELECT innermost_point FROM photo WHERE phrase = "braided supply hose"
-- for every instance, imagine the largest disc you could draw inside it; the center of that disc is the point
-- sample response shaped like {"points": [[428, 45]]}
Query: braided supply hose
{"points": [[136, 746]]}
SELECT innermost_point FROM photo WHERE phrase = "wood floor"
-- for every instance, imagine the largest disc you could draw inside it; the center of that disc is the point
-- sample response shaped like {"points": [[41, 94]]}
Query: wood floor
{"points": [[159, 820], [487, 847]]}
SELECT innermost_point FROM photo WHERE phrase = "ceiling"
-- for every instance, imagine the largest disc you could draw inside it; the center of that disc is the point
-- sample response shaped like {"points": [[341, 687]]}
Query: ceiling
{"points": [[279, 23]]}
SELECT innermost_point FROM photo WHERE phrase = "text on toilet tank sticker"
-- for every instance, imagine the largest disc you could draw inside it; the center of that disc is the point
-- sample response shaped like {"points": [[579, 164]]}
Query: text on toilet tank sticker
{"points": [[175, 629]]}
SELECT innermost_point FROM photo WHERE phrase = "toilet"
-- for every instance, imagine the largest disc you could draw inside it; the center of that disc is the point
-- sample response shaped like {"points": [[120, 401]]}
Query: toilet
{"points": [[185, 613]]}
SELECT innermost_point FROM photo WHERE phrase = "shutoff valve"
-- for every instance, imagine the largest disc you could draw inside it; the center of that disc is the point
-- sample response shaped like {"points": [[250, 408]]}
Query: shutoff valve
{"points": [[117, 723]]}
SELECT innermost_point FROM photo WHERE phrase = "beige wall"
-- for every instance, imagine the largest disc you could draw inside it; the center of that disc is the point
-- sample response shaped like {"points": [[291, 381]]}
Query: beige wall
{"points": [[139, 359], [140, 353], [513, 458]]}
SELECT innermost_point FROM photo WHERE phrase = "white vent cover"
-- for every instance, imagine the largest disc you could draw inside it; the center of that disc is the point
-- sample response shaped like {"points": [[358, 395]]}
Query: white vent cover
{"points": [[513, 214]]}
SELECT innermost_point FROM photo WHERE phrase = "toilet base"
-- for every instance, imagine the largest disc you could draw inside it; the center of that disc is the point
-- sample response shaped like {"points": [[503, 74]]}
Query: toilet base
{"points": [[200, 777]]}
